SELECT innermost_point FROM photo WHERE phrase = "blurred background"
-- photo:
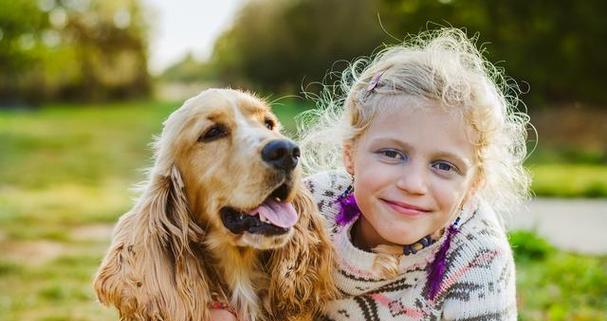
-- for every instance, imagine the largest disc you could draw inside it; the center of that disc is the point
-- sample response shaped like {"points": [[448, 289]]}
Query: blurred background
{"points": [[85, 84]]}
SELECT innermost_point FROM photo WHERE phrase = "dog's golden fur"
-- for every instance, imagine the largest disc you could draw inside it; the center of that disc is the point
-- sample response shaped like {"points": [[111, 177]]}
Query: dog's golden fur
{"points": [[170, 253]]}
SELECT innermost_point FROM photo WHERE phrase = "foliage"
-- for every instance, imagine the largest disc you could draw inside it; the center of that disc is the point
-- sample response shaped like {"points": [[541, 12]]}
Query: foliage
{"points": [[62, 49], [554, 49], [544, 43], [527, 246], [555, 285], [282, 45]]}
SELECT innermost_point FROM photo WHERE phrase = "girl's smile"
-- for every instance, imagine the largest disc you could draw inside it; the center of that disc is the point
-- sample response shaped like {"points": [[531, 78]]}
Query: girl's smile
{"points": [[406, 209], [413, 167]]}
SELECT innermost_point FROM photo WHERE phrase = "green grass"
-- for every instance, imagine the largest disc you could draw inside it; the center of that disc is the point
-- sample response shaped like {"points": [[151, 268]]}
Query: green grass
{"points": [[569, 180], [566, 172], [555, 285], [65, 169], [77, 145], [62, 168], [59, 289]]}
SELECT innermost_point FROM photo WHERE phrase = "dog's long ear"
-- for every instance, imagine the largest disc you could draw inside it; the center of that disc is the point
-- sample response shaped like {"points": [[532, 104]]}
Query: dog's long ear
{"points": [[151, 271], [301, 279]]}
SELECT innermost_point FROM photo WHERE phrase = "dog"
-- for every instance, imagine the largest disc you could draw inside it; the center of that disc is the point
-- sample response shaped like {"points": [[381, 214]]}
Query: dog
{"points": [[223, 217]]}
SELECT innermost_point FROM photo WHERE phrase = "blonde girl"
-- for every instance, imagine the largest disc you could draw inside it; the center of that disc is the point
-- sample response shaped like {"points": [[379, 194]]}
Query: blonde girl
{"points": [[426, 150]]}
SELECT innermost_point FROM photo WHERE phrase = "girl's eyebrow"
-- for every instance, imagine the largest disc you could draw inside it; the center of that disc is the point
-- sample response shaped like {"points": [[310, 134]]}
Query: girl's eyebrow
{"points": [[393, 141]]}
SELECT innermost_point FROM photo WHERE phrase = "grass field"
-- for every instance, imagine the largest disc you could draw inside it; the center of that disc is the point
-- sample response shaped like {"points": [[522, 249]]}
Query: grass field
{"points": [[65, 177]]}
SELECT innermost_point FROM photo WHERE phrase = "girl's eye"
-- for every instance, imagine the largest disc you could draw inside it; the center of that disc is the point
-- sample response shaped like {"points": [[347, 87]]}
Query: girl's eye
{"points": [[393, 154], [444, 166]]}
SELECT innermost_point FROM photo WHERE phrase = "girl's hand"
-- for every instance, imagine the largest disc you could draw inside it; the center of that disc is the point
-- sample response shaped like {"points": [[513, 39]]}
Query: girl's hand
{"points": [[222, 315]]}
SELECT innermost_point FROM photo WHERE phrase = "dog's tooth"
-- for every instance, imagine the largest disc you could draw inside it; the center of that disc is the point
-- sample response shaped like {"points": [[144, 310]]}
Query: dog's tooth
{"points": [[277, 199]]}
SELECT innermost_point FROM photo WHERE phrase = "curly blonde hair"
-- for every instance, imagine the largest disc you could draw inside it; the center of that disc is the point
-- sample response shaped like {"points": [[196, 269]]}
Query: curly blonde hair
{"points": [[442, 66]]}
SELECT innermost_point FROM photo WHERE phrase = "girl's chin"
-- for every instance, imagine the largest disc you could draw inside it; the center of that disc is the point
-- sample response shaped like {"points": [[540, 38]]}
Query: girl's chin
{"points": [[402, 231], [398, 239]]}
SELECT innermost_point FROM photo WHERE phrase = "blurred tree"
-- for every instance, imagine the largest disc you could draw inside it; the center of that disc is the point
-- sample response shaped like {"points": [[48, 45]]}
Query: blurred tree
{"points": [[188, 70], [19, 22], [275, 44], [67, 49], [557, 47]]}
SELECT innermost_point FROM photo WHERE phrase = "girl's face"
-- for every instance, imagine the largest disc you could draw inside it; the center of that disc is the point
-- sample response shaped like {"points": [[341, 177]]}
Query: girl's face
{"points": [[413, 168]]}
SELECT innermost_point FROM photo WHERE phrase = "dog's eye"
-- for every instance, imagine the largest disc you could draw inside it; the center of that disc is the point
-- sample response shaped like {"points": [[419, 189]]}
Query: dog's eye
{"points": [[213, 133], [269, 123]]}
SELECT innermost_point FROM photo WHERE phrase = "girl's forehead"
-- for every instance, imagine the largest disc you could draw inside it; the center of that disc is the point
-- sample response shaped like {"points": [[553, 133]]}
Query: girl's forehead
{"points": [[408, 110]]}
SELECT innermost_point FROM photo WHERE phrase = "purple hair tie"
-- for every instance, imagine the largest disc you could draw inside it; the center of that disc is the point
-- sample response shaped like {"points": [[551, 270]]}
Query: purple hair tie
{"points": [[439, 265]]}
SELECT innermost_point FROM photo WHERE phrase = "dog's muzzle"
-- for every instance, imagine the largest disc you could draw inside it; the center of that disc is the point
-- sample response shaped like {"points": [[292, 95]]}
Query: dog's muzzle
{"points": [[273, 216]]}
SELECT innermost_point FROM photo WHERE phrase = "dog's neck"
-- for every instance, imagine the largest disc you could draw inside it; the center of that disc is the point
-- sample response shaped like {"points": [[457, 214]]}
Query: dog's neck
{"points": [[240, 273]]}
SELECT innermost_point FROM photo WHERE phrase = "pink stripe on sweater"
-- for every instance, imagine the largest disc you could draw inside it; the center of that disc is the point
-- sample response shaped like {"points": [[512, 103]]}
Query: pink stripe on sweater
{"points": [[397, 309]]}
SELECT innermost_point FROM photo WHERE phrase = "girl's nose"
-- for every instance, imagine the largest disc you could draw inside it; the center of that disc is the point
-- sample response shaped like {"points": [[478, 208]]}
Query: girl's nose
{"points": [[413, 180]]}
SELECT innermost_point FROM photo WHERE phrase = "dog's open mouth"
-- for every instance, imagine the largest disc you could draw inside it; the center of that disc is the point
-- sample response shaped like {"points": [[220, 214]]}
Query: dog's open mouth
{"points": [[272, 217]]}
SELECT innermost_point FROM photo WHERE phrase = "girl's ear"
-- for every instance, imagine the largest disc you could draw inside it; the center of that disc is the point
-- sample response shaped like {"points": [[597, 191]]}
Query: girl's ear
{"points": [[348, 156], [477, 183]]}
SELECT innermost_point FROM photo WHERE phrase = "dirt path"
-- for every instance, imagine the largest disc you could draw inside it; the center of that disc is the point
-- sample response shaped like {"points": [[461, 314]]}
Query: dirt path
{"points": [[577, 225]]}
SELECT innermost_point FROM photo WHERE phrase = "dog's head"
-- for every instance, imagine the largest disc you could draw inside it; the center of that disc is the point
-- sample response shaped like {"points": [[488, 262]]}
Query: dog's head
{"points": [[223, 177], [238, 172]]}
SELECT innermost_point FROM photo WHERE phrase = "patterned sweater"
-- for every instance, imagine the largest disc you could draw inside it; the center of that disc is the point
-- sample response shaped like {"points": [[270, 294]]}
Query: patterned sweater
{"points": [[479, 283]]}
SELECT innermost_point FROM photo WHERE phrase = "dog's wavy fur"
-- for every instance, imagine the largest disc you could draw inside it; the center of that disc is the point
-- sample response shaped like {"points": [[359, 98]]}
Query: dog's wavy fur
{"points": [[170, 253]]}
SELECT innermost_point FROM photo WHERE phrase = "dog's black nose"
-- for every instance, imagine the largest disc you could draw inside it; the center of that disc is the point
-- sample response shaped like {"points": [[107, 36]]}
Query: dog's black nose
{"points": [[281, 154]]}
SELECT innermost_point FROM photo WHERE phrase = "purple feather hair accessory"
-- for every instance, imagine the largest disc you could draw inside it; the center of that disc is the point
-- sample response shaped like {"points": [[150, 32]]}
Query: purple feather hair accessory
{"points": [[439, 265], [348, 209]]}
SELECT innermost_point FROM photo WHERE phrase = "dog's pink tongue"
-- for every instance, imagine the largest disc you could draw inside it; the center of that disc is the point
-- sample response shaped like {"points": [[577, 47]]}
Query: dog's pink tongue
{"points": [[279, 214]]}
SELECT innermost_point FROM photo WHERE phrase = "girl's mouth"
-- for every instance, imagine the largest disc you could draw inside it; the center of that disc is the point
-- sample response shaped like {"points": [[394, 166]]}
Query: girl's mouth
{"points": [[405, 208]]}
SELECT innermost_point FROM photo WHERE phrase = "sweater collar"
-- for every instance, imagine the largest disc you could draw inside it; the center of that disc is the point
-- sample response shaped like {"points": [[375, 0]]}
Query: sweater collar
{"points": [[365, 264]]}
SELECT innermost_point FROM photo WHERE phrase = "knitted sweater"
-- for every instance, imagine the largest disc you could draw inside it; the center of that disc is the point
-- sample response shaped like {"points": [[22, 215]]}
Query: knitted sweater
{"points": [[478, 284]]}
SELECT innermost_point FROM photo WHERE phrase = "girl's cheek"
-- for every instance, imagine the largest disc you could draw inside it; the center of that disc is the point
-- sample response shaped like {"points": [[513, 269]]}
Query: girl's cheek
{"points": [[448, 191]]}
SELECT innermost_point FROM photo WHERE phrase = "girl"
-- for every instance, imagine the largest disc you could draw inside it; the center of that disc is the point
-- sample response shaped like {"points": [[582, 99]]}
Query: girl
{"points": [[432, 151]]}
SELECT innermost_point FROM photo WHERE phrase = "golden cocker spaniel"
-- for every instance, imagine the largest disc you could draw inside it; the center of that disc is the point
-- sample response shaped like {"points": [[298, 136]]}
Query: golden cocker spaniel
{"points": [[223, 216]]}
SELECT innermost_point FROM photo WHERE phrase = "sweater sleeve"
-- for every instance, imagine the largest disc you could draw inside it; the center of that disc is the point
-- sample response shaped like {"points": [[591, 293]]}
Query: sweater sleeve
{"points": [[481, 286]]}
